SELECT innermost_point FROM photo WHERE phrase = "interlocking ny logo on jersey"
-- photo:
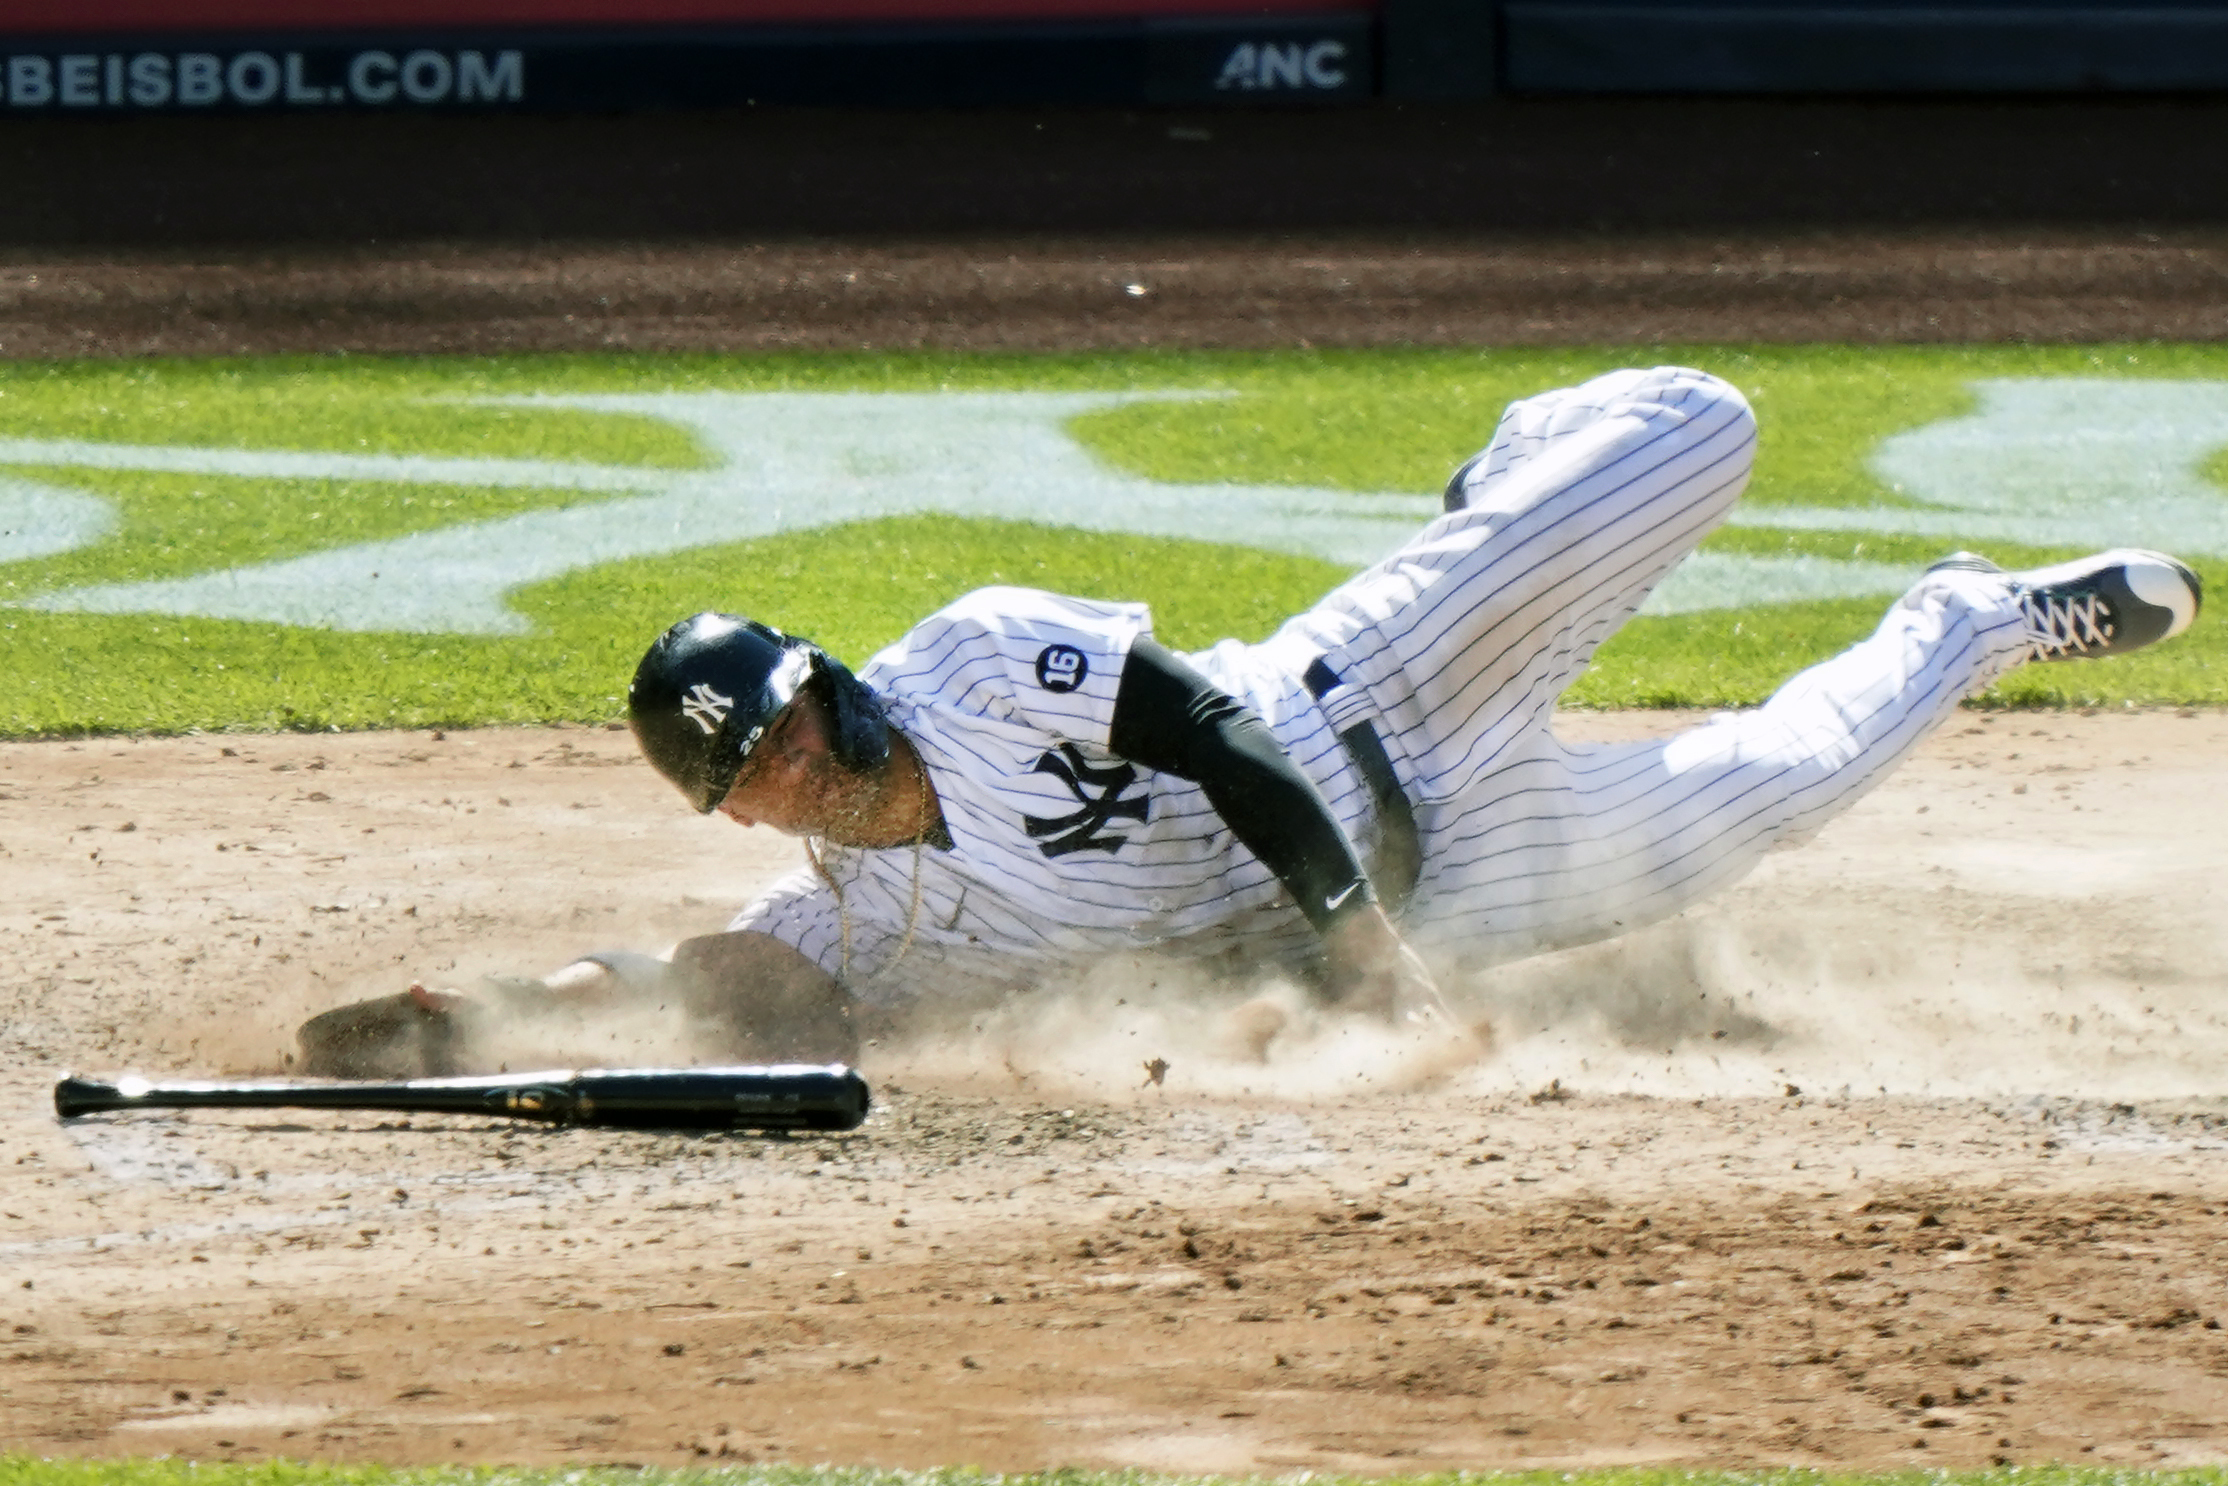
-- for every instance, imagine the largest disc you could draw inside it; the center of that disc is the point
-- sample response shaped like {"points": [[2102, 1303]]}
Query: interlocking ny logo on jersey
{"points": [[706, 708], [1080, 831]]}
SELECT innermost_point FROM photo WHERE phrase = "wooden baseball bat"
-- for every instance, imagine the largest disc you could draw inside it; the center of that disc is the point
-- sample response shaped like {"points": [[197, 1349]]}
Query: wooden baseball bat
{"points": [[783, 1096]]}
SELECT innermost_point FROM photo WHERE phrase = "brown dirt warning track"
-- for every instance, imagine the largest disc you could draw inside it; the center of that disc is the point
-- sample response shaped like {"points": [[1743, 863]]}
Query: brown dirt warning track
{"points": [[1908, 1151], [1247, 290]]}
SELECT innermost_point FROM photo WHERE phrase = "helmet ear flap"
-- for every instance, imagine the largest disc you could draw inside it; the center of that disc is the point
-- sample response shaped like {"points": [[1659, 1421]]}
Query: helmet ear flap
{"points": [[712, 685], [861, 725]]}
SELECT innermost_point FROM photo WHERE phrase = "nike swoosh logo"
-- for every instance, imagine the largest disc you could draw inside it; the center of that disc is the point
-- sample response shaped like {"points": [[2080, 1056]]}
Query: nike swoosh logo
{"points": [[1333, 904]]}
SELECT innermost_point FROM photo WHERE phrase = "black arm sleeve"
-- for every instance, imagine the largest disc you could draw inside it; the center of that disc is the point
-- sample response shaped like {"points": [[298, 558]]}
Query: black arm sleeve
{"points": [[1169, 717]]}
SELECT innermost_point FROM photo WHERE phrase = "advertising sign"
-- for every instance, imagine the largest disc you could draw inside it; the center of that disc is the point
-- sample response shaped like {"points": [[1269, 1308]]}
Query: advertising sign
{"points": [[140, 56]]}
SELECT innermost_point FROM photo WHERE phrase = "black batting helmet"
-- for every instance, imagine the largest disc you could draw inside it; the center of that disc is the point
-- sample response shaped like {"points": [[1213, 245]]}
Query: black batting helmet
{"points": [[710, 687]]}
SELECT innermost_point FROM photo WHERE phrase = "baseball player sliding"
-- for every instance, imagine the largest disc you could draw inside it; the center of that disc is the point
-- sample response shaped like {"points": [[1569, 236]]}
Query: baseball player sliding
{"points": [[1028, 783]]}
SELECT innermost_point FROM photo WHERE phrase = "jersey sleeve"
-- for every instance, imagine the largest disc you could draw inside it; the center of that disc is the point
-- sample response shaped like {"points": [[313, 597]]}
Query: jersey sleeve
{"points": [[1020, 655], [882, 964], [1172, 718], [803, 911], [800, 910]]}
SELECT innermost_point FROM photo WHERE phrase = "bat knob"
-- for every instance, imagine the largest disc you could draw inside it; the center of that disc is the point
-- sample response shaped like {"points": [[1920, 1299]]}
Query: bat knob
{"points": [[74, 1096]]}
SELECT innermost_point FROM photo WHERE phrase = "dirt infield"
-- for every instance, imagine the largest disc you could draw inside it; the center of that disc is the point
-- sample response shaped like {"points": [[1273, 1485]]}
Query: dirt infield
{"points": [[1034, 294], [1508, 222], [1676, 1219], [1908, 1151]]}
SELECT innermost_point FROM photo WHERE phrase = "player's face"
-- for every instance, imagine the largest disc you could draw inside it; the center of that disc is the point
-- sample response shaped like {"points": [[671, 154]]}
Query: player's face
{"points": [[795, 784]]}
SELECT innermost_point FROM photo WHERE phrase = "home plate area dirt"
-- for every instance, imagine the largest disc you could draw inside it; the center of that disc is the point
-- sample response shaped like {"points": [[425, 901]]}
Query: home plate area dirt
{"points": [[1907, 1152]]}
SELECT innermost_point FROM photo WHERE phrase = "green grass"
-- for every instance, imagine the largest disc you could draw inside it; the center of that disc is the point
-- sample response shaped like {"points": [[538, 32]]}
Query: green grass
{"points": [[1401, 420], [344, 405], [18, 1470], [1731, 658], [145, 673], [1368, 421], [171, 525]]}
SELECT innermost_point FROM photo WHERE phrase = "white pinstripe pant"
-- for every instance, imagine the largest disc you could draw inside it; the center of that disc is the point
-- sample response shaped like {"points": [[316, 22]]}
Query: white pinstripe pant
{"points": [[1465, 638]]}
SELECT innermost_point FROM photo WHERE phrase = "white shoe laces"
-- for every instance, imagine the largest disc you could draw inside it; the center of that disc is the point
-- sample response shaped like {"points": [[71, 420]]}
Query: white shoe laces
{"points": [[2068, 626]]}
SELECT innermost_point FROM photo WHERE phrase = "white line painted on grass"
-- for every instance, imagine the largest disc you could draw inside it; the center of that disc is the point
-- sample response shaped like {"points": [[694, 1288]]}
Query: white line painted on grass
{"points": [[41, 521], [2059, 461], [788, 462], [1734, 580], [283, 464]]}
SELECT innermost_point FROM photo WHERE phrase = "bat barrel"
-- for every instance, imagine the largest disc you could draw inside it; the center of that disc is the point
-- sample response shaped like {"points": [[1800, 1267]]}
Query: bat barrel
{"points": [[779, 1097], [785, 1096]]}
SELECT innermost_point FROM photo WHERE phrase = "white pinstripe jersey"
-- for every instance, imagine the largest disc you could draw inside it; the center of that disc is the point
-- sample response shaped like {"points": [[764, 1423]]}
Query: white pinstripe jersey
{"points": [[1455, 649], [1062, 853]]}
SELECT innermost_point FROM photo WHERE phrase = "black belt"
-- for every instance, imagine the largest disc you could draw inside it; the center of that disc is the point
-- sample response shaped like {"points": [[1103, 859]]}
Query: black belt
{"points": [[1399, 847]]}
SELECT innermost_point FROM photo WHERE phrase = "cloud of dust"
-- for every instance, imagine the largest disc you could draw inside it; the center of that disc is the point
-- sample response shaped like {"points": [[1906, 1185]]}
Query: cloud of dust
{"points": [[646, 1036], [1714, 1003], [1131, 1028], [638, 1034]]}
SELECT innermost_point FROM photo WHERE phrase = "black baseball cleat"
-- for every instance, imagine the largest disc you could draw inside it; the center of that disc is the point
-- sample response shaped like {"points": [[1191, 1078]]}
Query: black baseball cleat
{"points": [[2109, 604]]}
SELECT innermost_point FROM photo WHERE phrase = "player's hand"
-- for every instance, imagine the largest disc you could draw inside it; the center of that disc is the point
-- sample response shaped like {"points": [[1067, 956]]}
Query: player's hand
{"points": [[437, 1003], [414, 1034], [1373, 970]]}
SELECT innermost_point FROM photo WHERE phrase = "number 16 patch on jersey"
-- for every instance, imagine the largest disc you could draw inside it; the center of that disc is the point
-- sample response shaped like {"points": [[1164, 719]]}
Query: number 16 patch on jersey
{"points": [[1061, 668], [1011, 691]]}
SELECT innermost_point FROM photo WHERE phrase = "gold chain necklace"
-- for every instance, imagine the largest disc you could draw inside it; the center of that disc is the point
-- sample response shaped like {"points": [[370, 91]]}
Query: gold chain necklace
{"points": [[814, 846]]}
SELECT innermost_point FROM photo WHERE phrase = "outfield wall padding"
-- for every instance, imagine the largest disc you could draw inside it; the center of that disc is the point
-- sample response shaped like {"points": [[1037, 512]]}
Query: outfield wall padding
{"points": [[1580, 46], [169, 185]]}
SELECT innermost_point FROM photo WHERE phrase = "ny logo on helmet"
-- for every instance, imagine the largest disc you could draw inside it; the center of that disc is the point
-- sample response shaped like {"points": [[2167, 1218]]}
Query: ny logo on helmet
{"points": [[706, 708]]}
